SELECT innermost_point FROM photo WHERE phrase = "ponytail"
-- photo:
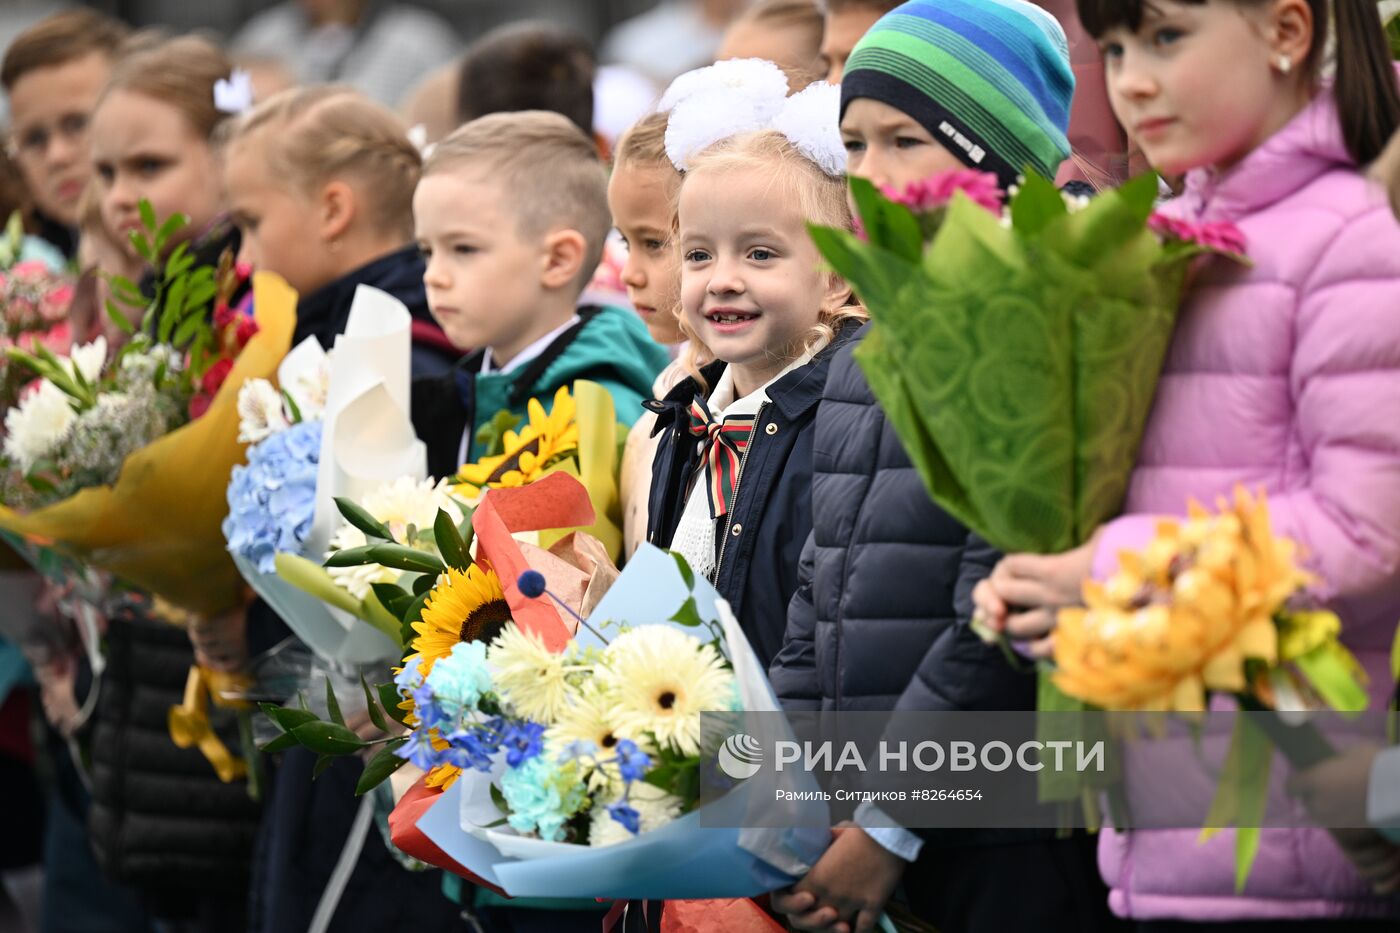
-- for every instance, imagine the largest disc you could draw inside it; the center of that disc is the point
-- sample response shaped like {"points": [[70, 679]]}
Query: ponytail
{"points": [[1368, 100]]}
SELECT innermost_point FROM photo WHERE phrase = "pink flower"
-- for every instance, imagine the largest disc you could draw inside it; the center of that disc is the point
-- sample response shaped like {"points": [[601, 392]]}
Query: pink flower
{"points": [[937, 190], [199, 404], [243, 270], [31, 270], [55, 303], [1220, 236], [247, 327], [224, 316]]}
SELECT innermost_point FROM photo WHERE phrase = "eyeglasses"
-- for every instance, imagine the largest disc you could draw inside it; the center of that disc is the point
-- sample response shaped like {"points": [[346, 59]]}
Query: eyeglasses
{"points": [[35, 140]]}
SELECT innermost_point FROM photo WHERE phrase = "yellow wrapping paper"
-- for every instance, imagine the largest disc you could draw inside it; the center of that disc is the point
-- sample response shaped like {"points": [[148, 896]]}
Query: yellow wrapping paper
{"points": [[600, 440], [158, 528]]}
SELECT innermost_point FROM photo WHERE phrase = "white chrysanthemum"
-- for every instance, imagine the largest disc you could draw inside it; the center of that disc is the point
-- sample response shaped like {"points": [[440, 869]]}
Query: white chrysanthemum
{"points": [[398, 504], [35, 427], [701, 121], [529, 677], [754, 78], [663, 679], [310, 390], [259, 411], [88, 360], [654, 806], [809, 120]]}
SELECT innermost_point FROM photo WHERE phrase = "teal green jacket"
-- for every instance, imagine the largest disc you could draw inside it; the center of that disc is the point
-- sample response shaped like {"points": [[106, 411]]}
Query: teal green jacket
{"points": [[609, 346]]}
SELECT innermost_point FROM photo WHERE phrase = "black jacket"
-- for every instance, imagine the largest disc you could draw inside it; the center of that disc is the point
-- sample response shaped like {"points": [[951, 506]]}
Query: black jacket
{"points": [[880, 617], [759, 542]]}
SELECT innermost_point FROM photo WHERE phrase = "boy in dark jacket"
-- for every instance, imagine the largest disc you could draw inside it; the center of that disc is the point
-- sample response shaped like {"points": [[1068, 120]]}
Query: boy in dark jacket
{"points": [[880, 617], [511, 216]]}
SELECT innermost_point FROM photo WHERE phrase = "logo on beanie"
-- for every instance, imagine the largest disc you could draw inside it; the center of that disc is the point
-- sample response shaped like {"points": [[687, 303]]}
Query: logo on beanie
{"points": [[974, 152], [740, 756]]}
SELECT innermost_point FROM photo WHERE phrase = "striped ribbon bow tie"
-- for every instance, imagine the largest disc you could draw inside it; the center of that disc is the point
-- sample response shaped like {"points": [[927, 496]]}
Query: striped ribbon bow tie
{"points": [[724, 444]]}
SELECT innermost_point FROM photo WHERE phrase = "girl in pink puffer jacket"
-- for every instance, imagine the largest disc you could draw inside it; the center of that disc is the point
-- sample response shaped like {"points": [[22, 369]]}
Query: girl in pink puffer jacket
{"points": [[1284, 375]]}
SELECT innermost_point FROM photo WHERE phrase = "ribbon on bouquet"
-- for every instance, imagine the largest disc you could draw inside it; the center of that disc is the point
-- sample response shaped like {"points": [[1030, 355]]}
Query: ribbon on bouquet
{"points": [[189, 722]]}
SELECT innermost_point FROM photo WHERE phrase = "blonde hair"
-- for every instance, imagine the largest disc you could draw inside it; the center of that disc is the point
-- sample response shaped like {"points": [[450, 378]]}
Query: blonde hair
{"points": [[550, 167], [644, 142], [820, 198], [180, 73], [312, 136]]}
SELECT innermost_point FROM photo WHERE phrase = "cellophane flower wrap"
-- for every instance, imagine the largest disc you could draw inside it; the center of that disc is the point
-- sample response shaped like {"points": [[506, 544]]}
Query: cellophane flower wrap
{"points": [[1016, 351], [152, 516]]}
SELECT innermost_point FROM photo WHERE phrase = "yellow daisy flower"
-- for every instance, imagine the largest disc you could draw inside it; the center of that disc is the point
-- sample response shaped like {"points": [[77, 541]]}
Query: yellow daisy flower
{"points": [[465, 607], [541, 443]]}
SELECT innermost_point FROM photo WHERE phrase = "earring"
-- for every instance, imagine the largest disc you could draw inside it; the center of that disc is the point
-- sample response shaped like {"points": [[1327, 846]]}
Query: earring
{"points": [[1284, 64]]}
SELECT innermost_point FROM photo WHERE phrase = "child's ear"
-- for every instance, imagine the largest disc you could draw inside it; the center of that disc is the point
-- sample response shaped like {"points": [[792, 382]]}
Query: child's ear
{"points": [[837, 294], [562, 261], [1291, 31], [337, 206]]}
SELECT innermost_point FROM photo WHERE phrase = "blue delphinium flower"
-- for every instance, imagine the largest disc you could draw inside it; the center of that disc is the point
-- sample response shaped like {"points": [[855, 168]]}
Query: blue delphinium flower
{"points": [[273, 499], [408, 678], [459, 680], [542, 797], [472, 749], [632, 762], [630, 819], [419, 750], [522, 742], [578, 749]]}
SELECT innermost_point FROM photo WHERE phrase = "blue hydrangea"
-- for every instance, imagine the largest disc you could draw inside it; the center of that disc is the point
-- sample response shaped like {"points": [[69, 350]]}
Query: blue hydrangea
{"points": [[542, 797], [273, 499], [459, 680]]}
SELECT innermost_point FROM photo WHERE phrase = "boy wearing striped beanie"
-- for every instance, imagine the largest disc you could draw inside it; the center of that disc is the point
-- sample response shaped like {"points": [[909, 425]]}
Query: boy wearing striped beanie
{"points": [[988, 81], [880, 617]]}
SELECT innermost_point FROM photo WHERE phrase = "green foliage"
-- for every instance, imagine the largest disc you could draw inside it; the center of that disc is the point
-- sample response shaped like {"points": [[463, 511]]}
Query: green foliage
{"points": [[361, 519], [491, 436], [332, 738]]}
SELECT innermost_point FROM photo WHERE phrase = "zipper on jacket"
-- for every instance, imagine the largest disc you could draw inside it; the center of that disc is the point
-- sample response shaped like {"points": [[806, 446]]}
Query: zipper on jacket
{"points": [[753, 438]]}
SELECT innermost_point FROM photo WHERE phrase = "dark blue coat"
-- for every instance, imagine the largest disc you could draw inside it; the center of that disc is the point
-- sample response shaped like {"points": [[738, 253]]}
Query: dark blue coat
{"points": [[879, 620], [759, 543]]}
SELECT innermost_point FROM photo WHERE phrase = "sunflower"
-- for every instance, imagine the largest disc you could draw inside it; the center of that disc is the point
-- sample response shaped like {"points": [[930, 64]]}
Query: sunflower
{"points": [[465, 607], [528, 676], [541, 443], [662, 680]]}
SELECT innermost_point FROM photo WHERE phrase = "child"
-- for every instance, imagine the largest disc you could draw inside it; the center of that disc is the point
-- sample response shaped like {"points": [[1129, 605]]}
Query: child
{"points": [[879, 619], [785, 32], [844, 23], [531, 65], [642, 196], [1280, 375], [53, 74], [320, 184], [764, 320], [511, 215]]}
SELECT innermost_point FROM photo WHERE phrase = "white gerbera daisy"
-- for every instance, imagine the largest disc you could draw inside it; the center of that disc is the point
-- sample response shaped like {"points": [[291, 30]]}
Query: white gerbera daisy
{"points": [[655, 807], [35, 427], [398, 504], [663, 679], [529, 677], [590, 721], [259, 411]]}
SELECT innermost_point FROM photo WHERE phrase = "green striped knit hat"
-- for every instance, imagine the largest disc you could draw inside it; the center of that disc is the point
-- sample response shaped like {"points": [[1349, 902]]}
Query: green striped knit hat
{"points": [[989, 79]]}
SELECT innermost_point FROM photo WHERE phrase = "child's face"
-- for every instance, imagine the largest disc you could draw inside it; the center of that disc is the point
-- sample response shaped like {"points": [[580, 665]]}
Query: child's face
{"points": [[280, 224], [890, 148], [484, 280], [143, 148], [788, 47], [50, 109], [752, 284], [1166, 82], [842, 31], [640, 198]]}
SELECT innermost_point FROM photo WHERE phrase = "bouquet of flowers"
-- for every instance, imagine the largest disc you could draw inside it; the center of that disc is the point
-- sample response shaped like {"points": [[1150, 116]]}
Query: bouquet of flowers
{"points": [[119, 462], [34, 300], [1215, 604], [1047, 321]]}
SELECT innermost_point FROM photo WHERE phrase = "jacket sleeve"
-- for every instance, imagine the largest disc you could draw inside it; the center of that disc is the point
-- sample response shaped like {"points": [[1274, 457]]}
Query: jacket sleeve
{"points": [[959, 671], [1344, 380], [793, 672]]}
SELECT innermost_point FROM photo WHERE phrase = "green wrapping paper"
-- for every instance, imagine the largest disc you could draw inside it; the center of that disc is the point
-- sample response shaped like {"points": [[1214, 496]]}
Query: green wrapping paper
{"points": [[1017, 363]]}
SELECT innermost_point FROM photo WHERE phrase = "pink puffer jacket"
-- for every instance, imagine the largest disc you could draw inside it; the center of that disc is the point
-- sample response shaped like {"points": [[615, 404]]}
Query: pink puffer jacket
{"points": [[1284, 376]]}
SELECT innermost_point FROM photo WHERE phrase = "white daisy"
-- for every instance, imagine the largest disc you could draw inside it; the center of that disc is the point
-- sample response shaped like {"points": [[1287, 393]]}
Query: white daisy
{"points": [[663, 679], [35, 427]]}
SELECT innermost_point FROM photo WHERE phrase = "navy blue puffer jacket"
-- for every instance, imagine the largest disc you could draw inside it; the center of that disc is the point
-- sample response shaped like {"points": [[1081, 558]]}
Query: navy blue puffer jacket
{"points": [[880, 617]]}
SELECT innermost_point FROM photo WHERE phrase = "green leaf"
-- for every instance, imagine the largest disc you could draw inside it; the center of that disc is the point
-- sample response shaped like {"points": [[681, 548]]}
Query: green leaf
{"points": [[312, 578], [1241, 796], [172, 225], [119, 318], [499, 799], [414, 614], [351, 557], [376, 715], [888, 226], [392, 597], [450, 543], [1036, 205], [292, 406], [280, 744], [423, 585], [148, 214], [687, 574], [380, 767], [192, 325], [333, 705], [322, 764], [389, 700], [361, 519], [688, 614], [328, 738], [1326, 668], [400, 557], [490, 437], [287, 718], [373, 612]]}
